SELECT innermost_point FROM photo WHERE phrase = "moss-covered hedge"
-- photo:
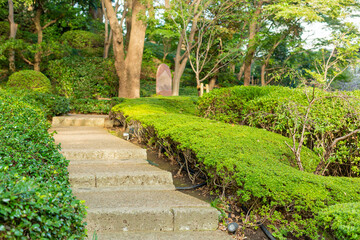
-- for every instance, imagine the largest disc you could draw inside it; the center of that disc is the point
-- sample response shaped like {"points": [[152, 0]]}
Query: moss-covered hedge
{"points": [[252, 163], [36, 201], [29, 79], [278, 109]]}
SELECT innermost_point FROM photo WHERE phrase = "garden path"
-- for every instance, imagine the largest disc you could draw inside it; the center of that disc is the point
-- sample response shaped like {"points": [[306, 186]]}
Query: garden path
{"points": [[127, 198]]}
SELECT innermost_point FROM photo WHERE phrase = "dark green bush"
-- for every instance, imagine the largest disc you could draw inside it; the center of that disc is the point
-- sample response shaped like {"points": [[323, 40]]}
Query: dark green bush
{"points": [[279, 109], [36, 201], [252, 163], [29, 79], [342, 220], [93, 105], [78, 77], [89, 44]]}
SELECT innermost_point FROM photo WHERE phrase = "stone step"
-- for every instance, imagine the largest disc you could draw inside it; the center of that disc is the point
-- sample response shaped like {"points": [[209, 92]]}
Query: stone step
{"points": [[93, 143], [183, 235], [118, 211], [82, 120], [119, 175]]}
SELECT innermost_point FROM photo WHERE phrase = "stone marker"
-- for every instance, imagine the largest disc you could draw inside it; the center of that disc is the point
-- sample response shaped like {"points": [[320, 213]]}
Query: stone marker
{"points": [[163, 80]]}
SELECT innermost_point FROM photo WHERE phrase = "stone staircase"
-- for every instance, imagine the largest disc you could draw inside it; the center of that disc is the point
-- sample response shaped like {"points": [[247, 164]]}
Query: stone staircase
{"points": [[127, 198]]}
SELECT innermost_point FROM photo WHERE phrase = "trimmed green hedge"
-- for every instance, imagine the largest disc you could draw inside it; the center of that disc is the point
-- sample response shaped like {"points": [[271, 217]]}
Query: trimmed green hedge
{"points": [[252, 163], [36, 201], [29, 79], [277, 109]]}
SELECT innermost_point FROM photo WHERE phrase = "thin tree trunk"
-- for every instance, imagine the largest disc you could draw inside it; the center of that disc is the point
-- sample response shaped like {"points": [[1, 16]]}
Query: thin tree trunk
{"points": [[181, 60], [263, 68], [108, 36], [253, 28], [241, 72], [13, 30], [37, 57]]}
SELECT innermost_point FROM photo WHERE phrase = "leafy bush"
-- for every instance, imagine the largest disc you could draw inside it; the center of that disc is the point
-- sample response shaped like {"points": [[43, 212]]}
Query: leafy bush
{"points": [[342, 220], [49, 104], [89, 44], [36, 201], [29, 79], [252, 163], [279, 109], [78, 77], [93, 105]]}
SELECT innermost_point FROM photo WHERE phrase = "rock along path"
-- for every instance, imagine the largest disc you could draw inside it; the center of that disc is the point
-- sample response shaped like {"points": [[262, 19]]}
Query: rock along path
{"points": [[127, 198]]}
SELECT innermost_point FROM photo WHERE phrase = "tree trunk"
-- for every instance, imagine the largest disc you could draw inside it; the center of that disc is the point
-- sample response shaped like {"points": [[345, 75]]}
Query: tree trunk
{"points": [[37, 57], [241, 72], [263, 68], [13, 30], [128, 69], [253, 28], [128, 21], [108, 36], [135, 50]]}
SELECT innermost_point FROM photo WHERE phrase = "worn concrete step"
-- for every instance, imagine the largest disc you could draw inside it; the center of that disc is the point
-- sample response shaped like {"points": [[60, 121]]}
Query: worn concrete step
{"points": [[117, 211], [119, 175], [107, 161], [82, 120], [94, 143], [188, 235]]}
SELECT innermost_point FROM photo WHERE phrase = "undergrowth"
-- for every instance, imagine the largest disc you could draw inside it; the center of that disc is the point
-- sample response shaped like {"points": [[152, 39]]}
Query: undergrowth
{"points": [[253, 164]]}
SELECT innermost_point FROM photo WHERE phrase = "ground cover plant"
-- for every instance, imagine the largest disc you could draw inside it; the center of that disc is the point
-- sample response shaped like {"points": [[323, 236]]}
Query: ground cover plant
{"points": [[252, 164], [36, 201], [280, 109], [98, 106]]}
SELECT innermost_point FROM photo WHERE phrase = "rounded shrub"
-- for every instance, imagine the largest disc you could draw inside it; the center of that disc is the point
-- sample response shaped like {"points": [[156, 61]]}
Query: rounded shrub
{"points": [[30, 79], [88, 43]]}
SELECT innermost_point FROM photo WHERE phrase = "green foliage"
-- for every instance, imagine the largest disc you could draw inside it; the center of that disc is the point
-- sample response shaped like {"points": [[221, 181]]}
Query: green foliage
{"points": [[87, 105], [29, 79], [148, 88], [78, 77], [4, 30], [253, 163], [277, 109], [49, 104], [36, 201], [342, 220], [89, 44]]}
